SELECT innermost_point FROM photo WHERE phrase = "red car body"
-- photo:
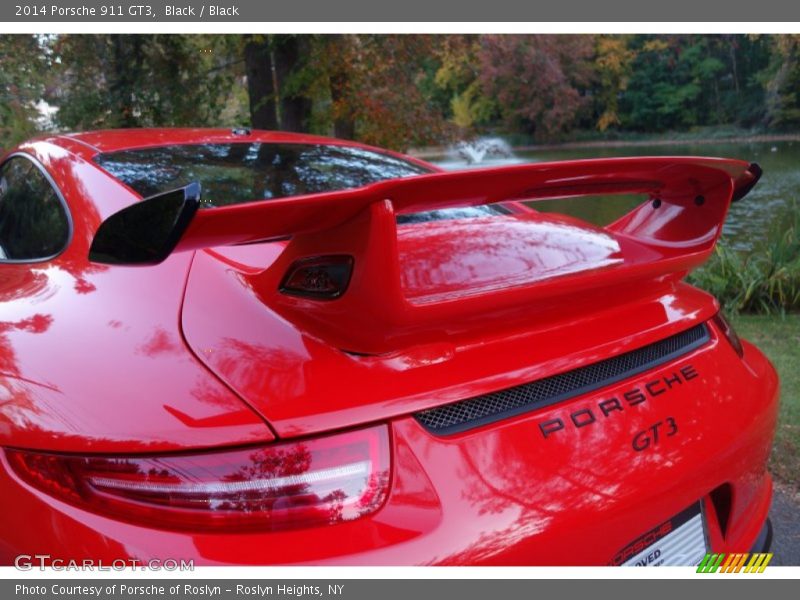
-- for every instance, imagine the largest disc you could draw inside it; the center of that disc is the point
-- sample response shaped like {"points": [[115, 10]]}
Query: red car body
{"points": [[410, 366]]}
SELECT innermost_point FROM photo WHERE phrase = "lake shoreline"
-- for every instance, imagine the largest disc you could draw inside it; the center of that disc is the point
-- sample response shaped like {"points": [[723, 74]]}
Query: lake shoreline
{"points": [[437, 151]]}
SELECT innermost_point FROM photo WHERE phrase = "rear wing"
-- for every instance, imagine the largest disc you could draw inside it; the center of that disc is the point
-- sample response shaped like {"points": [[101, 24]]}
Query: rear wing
{"points": [[355, 231]]}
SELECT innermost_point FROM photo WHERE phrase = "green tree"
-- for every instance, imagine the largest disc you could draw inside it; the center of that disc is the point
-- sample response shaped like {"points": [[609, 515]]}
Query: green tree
{"points": [[143, 80], [678, 82], [23, 67], [671, 75], [260, 82], [783, 82], [739, 90]]}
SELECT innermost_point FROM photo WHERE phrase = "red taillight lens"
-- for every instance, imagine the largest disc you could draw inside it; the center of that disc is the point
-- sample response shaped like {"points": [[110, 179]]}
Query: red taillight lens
{"points": [[321, 277], [730, 334], [325, 480]]}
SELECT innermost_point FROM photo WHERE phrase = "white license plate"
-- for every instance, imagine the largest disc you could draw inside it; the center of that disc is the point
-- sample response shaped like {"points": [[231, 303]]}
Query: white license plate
{"points": [[681, 541]]}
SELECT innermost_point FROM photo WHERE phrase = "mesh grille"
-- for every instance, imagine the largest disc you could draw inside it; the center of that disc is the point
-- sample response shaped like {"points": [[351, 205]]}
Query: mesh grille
{"points": [[473, 412]]}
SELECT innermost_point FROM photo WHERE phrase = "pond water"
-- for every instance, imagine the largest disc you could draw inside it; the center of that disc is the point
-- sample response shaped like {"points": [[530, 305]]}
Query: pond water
{"points": [[766, 209]]}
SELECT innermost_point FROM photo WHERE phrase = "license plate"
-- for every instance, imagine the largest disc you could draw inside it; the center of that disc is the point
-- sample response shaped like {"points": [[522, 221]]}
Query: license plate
{"points": [[680, 541]]}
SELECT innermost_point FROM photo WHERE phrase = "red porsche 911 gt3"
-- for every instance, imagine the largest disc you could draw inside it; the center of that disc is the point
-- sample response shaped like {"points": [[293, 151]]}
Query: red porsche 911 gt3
{"points": [[244, 347]]}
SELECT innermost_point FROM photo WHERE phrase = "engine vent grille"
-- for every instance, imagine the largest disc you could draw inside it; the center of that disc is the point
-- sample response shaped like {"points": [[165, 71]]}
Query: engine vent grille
{"points": [[474, 412]]}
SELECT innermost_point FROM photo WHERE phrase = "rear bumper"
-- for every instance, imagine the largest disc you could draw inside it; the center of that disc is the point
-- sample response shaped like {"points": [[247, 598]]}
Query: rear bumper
{"points": [[500, 494], [764, 540]]}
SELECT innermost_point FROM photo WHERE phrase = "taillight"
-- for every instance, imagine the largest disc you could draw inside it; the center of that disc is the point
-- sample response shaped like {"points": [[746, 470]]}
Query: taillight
{"points": [[277, 486], [730, 334], [320, 277]]}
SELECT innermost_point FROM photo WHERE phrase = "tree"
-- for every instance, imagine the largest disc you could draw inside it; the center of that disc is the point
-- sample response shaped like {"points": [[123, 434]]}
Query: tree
{"points": [[613, 64], [539, 81], [679, 82], [663, 92], [400, 90], [747, 58], [290, 54], [260, 82], [458, 76], [277, 81], [783, 82], [142, 80], [23, 66], [372, 88]]}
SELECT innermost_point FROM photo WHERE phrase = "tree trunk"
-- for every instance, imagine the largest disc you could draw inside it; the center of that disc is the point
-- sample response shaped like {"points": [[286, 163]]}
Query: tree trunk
{"points": [[260, 82], [128, 58], [734, 66], [289, 54]]}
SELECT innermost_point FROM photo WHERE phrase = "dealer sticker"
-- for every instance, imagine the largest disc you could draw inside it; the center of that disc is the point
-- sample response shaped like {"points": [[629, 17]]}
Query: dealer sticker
{"points": [[681, 541]]}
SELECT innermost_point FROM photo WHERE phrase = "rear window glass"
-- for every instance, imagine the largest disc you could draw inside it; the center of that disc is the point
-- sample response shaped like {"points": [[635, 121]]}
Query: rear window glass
{"points": [[246, 172]]}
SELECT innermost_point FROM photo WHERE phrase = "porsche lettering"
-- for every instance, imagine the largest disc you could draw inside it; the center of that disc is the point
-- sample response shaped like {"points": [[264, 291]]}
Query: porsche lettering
{"points": [[596, 413]]}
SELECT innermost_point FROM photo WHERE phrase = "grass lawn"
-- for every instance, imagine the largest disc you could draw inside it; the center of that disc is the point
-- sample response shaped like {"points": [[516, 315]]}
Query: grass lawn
{"points": [[779, 338]]}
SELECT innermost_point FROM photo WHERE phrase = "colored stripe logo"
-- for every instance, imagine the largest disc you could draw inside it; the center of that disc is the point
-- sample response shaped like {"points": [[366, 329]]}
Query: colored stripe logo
{"points": [[734, 563]]}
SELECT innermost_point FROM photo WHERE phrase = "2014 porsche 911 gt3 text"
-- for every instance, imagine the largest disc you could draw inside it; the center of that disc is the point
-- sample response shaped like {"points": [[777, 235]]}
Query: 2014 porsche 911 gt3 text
{"points": [[240, 347]]}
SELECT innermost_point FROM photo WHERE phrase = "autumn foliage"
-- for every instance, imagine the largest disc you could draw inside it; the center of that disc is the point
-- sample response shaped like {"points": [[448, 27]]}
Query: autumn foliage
{"points": [[400, 91]]}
